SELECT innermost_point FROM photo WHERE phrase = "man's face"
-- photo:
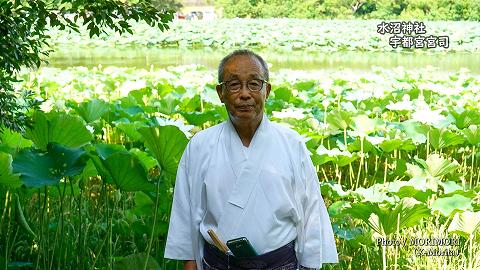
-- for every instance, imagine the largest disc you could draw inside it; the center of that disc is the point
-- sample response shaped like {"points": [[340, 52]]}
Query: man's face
{"points": [[244, 106]]}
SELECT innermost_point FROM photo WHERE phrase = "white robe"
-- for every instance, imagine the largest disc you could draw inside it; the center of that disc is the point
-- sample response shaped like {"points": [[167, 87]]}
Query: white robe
{"points": [[268, 193]]}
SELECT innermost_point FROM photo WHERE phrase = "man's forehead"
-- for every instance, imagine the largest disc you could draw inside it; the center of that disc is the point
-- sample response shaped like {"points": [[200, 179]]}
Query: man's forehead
{"points": [[242, 65], [243, 60]]}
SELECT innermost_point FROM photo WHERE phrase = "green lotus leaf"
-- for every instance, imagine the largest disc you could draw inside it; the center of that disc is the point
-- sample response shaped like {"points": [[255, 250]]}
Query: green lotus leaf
{"points": [[38, 169], [415, 131], [347, 233], [366, 212], [7, 177], [132, 112], [283, 93], [437, 166], [408, 145], [339, 119], [305, 86], [450, 186], [190, 104], [419, 188], [390, 145], [131, 129], [466, 118], [442, 138], [210, 97], [344, 160], [105, 150], [455, 203], [472, 134], [465, 223], [415, 171], [374, 194], [92, 110], [336, 208], [363, 125], [320, 159], [356, 146], [200, 118], [385, 220], [11, 141], [143, 204], [167, 144], [147, 161], [61, 128], [333, 190], [409, 212], [167, 105], [127, 172]]}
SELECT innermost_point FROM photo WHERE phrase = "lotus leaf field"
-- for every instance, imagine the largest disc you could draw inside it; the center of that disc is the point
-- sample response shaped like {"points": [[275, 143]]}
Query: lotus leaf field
{"points": [[89, 185], [274, 34]]}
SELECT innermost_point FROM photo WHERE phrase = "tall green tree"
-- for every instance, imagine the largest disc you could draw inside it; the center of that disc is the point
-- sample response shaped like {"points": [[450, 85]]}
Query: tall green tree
{"points": [[24, 42]]}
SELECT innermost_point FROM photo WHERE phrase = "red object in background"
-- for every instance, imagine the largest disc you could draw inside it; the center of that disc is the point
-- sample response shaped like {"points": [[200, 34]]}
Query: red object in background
{"points": [[180, 16]]}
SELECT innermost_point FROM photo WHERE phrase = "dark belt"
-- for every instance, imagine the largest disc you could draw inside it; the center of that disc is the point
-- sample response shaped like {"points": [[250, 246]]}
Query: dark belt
{"points": [[281, 258]]}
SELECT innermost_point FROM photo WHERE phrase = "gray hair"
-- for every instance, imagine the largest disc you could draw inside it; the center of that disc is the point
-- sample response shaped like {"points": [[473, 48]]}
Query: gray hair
{"points": [[221, 66]]}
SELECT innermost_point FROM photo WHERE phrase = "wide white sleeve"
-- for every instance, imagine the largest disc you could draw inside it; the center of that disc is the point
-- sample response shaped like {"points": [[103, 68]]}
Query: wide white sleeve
{"points": [[180, 244], [319, 244]]}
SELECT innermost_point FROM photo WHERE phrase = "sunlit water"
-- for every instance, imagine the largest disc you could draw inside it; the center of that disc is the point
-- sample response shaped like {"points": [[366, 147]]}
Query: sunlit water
{"points": [[299, 60]]}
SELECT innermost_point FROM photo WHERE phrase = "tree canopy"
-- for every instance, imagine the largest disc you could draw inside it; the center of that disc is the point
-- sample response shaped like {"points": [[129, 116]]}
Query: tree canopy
{"points": [[353, 9], [24, 42]]}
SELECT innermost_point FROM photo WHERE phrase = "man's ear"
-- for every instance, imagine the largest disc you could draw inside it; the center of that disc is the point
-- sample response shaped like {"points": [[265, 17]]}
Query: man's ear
{"points": [[268, 88], [219, 92]]}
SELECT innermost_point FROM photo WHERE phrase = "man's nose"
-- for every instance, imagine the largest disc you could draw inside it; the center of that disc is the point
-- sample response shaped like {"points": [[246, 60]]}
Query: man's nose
{"points": [[244, 92]]}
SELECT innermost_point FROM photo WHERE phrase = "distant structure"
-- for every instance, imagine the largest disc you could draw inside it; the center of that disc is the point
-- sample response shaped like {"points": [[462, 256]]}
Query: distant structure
{"points": [[198, 10]]}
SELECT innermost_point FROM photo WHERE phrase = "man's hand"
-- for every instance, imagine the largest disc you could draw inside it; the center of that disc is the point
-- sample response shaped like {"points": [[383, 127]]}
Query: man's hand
{"points": [[190, 265]]}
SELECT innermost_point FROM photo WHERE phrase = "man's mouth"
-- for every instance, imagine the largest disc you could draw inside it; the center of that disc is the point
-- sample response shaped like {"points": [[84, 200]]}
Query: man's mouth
{"points": [[244, 107]]}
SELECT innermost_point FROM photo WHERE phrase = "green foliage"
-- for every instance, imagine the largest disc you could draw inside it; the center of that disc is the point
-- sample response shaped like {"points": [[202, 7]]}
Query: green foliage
{"points": [[348, 9], [124, 170], [136, 261], [284, 35], [38, 169], [382, 165], [465, 223], [448, 205], [167, 145], [92, 110], [385, 220], [24, 41], [62, 128], [7, 177]]}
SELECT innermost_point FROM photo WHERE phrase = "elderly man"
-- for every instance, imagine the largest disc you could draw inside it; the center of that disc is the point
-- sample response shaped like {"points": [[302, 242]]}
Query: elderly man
{"points": [[248, 177]]}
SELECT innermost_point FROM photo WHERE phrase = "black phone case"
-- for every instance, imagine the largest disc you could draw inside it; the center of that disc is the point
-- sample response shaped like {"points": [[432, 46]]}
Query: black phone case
{"points": [[241, 247]]}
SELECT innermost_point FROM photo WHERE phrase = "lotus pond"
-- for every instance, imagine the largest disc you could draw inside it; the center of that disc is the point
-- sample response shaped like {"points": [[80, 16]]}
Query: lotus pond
{"points": [[89, 185], [274, 34]]}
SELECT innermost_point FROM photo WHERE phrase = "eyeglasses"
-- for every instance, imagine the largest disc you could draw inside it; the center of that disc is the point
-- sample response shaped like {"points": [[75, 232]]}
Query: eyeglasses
{"points": [[233, 86]]}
